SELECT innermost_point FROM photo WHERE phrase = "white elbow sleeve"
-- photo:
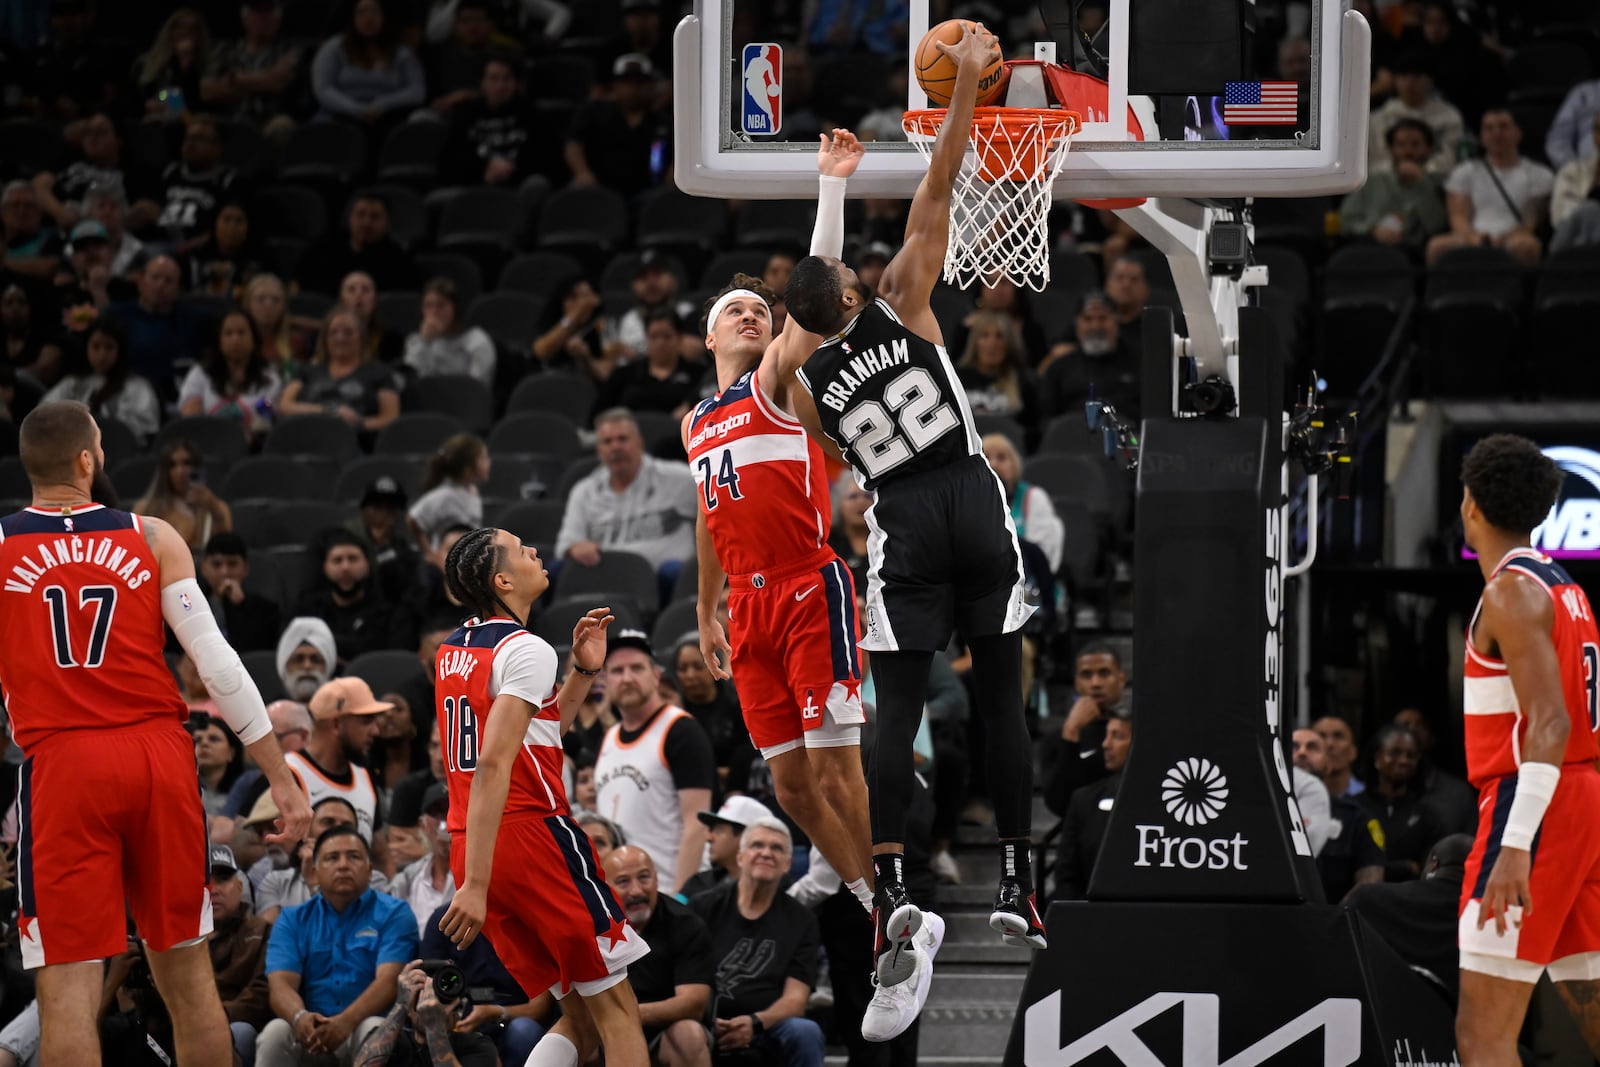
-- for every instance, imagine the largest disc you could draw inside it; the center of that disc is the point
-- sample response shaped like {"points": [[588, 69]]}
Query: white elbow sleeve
{"points": [[232, 689], [827, 237]]}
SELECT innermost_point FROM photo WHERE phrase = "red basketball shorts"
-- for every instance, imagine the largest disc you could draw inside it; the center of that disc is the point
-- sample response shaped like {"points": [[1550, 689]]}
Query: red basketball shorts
{"points": [[553, 920], [794, 635], [1565, 880], [103, 817]]}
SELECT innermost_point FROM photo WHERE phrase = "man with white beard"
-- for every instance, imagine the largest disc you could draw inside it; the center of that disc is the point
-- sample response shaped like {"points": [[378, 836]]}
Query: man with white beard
{"points": [[306, 655]]}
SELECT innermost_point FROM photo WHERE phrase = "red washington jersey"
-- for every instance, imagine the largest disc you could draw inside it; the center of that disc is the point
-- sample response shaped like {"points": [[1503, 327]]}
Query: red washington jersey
{"points": [[480, 661], [81, 635], [763, 482], [1494, 724]]}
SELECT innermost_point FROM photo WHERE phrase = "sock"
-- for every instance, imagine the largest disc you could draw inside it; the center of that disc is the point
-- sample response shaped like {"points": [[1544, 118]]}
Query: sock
{"points": [[1014, 861], [863, 894], [553, 1050], [889, 867]]}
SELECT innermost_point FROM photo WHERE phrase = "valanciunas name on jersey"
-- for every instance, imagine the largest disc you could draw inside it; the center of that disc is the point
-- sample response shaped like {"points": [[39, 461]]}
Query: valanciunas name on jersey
{"points": [[101, 551], [862, 366]]}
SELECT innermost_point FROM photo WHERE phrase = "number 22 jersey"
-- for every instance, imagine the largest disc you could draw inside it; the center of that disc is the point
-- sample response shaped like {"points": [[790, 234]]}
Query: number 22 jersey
{"points": [[477, 663]]}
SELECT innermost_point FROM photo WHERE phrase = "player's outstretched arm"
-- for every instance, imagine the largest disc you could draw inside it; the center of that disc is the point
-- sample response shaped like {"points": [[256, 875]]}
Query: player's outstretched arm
{"points": [[589, 653], [491, 781], [910, 276], [230, 686], [1518, 617]]}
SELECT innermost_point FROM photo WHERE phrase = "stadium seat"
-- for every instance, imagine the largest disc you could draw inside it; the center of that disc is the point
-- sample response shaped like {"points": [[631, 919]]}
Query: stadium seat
{"points": [[266, 578], [132, 478], [262, 666], [658, 428], [1054, 310], [554, 624], [1069, 435], [1566, 306], [687, 583], [323, 152], [295, 522], [512, 319], [775, 224], [988, 424], [244, 147], [117, 441], [1367, 289], [1078, 477], [399, 312], [480, 217], [671, 220], [289, 211], [28, 146], [522, 476], [310, 305], [557, 391], [544, 432], [590, 221], [1550, 64], [280, 478], [220, 440], [408, 219], [362, 471], [532, 520], [462, 270], [617, 572], [1286, 271], [543, 274], [1082, 558], [312, 435], [416, 434], [725, 265], [1534, 117], [559, 76], [622, 269], [410, 154], [576, 471], [294, 565], [1073, 271], [463, 398], [1471, 315], [14, 483], [390, 670], [677, 622]]}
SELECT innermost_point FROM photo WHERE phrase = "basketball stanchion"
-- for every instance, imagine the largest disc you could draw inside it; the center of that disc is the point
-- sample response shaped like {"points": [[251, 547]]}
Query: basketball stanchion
{"points": [[1001, 199]]}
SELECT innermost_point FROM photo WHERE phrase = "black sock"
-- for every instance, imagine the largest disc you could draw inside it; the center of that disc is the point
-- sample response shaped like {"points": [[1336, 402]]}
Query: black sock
{"points": [[889, 867], [1014, 862]]}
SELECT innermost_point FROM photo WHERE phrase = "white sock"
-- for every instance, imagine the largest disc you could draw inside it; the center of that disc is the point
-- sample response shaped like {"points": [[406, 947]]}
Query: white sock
{"points": [[553, 1050], [863, 894]]}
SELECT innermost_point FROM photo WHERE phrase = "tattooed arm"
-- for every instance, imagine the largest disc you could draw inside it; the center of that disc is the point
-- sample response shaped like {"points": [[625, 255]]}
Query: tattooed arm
{"points": [[380, 1044]]}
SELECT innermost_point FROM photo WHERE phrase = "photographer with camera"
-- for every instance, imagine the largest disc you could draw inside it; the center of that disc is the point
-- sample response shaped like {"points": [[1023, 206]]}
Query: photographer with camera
{"points": [[420, 1028]]}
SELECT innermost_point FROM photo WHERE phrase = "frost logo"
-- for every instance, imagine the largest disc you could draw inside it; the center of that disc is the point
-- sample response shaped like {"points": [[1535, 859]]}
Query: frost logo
{"points": [[1195, 791]]}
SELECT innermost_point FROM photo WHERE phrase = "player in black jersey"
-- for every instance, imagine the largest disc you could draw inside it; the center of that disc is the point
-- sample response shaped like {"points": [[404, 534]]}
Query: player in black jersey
{"points": [[881, 394]]}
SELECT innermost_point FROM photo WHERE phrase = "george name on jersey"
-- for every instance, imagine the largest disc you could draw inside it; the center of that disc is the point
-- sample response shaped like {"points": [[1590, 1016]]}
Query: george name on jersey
{"points": [[457, 661], [721, 429], [100, 551], [862, 366]]}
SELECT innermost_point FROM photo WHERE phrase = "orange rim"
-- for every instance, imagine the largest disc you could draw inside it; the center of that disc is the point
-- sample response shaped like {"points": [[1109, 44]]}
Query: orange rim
{"points": [[926, 121]]}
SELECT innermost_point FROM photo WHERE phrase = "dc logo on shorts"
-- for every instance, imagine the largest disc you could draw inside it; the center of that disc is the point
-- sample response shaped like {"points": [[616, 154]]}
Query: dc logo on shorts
{"points": [[762, 112], [811, 713], [758, 581]]}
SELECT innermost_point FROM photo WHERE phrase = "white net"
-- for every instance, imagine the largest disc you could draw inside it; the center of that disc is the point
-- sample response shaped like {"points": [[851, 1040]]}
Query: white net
{"points": [[1001, 199]]}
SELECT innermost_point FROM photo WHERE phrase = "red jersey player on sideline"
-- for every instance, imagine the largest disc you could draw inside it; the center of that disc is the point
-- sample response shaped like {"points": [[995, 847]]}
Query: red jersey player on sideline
{"points": [[528, 876], [1530, 900], [108, 803]]}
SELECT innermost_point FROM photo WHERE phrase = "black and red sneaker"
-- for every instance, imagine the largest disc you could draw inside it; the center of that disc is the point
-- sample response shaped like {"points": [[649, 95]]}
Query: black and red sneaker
{"points": [[897, 922], [1015, 917]]}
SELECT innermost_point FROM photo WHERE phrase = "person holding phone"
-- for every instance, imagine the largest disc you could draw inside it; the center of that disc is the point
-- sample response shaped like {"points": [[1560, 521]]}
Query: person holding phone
{"points": [[178, 494]]}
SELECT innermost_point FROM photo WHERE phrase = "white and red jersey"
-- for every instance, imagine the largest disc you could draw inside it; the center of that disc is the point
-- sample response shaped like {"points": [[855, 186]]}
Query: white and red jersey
{"points": [[763, 482], [479, 662], [1494, 723]]}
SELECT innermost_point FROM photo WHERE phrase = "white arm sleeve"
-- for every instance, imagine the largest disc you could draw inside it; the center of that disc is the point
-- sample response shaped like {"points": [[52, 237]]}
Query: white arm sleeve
{"points": [[827, 237], [232, 689], [524, 667]]}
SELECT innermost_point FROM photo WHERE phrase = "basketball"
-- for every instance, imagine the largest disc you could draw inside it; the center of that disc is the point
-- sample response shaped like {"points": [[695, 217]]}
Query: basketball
{"points": [[937, 72]]}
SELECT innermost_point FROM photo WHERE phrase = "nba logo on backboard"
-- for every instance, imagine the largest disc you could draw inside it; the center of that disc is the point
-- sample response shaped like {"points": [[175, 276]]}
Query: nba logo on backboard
{"points": [[762, 112]]}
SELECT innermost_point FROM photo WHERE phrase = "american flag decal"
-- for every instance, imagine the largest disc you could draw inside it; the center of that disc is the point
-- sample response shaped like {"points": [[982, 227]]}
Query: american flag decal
{"points": [[1260, 103]]}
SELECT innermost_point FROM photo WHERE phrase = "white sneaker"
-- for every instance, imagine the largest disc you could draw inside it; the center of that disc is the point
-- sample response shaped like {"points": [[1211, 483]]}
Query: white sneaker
{"points": [[897, 961], [893, 1008]]}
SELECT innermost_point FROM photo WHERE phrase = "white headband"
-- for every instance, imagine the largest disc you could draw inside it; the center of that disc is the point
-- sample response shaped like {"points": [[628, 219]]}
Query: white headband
{"points": [[725, 298]]}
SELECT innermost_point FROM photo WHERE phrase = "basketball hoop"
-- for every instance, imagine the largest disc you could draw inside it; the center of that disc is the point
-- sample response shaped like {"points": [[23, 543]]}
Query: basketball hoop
{"points": [[1001, 199]]}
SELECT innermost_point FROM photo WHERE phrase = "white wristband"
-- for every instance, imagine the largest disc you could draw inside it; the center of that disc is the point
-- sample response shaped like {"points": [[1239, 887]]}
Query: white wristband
{"points": [[827, 237], [1536, 784]]}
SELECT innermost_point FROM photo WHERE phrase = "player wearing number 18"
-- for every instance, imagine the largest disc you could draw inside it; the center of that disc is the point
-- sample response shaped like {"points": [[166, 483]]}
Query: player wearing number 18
{"points": [[108, 805], [528, 876]]}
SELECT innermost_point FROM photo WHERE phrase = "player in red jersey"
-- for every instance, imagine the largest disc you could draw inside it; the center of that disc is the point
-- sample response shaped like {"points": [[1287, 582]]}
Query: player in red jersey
{"points": [[108, 802], [1531, 894], [528, 876]]}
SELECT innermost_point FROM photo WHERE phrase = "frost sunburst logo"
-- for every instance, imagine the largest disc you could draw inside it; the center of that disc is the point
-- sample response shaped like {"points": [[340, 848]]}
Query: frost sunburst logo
{"points": [[1195, 791]]}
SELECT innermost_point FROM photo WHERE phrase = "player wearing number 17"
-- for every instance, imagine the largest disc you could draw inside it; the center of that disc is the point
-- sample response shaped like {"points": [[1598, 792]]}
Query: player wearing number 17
{"points": [[1530, 898], [108, 805], [527, 873]]}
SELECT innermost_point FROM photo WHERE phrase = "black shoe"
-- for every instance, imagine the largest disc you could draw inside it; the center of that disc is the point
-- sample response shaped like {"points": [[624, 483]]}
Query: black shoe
{"points": [[897, 922], [1016, 917]]}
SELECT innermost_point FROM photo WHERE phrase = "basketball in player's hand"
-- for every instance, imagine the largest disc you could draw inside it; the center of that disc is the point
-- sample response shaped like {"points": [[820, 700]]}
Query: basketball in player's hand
{"points": [[936, 72]]}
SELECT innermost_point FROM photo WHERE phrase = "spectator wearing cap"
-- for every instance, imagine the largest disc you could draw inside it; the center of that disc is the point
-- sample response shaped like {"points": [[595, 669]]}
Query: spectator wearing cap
{"points": [[655, 769], [332, 962], [345, 595], [655, 288], [662, 381], [715, 705], [107, 204], [238, 945], [306, 656], [621, 142], [1414, 98], [344, 721], [631, 502], [382, 525], [511, 1020], [427, 883], [723, 828], [1500, 199], [492, 133], [363, 246], [673, 983], [1404, 203], [88, 262], [249, 621], [1097, 359], [257, 77]]}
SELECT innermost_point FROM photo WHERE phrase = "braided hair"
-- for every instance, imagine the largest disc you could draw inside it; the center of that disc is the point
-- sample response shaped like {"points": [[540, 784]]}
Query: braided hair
{"points": [[469, 572]]}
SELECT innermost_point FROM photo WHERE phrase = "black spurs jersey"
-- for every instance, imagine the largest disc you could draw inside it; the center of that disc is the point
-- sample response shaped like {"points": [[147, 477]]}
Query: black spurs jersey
{"points": [[889, 399]]}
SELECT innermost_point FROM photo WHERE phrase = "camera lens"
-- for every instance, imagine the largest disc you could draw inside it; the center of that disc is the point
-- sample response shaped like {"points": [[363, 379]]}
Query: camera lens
{"points": [[449, 983]]}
